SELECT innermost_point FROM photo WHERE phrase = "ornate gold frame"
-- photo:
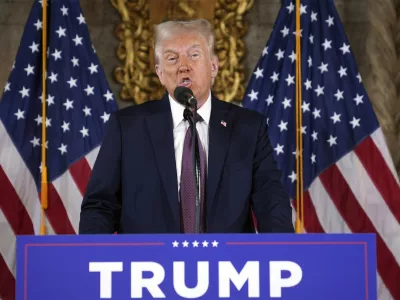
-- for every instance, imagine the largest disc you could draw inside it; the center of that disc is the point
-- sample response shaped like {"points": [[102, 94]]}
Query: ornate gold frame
{"points": [[136, 74]]}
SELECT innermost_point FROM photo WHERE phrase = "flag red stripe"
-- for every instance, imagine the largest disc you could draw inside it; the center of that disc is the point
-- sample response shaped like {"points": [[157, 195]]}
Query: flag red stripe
{"points": [[377, 169], [358, 222], [57, 215], [12, 207], [311, 221], [80, 172], [7, 282]]}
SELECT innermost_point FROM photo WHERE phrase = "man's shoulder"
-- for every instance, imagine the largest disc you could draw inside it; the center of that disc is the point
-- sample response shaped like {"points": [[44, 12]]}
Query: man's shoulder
{"points": [[141, 110], [242, 114]]}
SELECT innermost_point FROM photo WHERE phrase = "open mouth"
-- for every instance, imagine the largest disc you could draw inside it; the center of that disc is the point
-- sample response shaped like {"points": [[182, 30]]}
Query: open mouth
{"points": [[186, 82]]}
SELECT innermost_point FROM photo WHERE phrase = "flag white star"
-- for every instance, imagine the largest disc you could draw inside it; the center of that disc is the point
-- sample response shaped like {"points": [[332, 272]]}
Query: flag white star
{"points": [[53, 77], [109, 96], [87, 110], [293, 56], [323, 67], [313, 160], [65, 126], [214, 244], [285, 31], [20, 114], [38, 120], [24, 92], [258, 73], [275, 77], [64, 11], [283, 126], [105, 117], [345, 48], [308, 84], [84, 131], [314, 135], [34, 47], [38, 25], [270, 99], [265, 51], [355, 122], [305, 107], [290, 80], [93, 68], [75, 62], [280, 54], [61, 31], [35, 142], [63, 148], [358, 99], [316, 113], [253, 95], [303, 9], [68, 104], [327, 44], [309, 61], [50, 100], [329, 21], [293, 176], [57, 55], [7, 87], [77, 40], [29, 70], [335, 118], [81, 19], [89, 90], [311, 38], [342, 72], [339, 95], [72, 82], [332, 141], [175, 244], [279, 149], [291, 7], [195, 244], [185, 244], [286, 103], [205, 244], [320, 90], [48, 122], [314, 17]]}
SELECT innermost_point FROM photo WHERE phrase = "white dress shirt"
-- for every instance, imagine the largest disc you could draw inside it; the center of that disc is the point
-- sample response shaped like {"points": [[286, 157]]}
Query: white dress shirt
{"points": [[180, 127]]}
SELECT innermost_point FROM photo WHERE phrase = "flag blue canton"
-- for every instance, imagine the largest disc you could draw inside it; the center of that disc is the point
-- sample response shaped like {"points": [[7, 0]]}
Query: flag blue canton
{"points": [[336, 111], [79, 99]]}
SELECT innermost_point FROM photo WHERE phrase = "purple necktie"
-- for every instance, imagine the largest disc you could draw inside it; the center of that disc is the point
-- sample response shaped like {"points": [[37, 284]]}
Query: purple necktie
{"points": [[188, 186]]}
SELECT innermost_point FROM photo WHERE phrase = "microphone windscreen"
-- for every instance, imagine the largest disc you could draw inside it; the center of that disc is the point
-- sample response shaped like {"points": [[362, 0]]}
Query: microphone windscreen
{"points": [[180, 94]]}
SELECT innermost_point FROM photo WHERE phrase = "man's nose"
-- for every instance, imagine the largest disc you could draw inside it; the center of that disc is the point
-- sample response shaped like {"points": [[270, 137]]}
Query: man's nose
{"points": [[184, 66]]}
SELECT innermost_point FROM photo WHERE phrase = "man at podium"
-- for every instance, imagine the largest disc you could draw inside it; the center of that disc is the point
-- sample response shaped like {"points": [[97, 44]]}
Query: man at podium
{"points": [[151, 176]]}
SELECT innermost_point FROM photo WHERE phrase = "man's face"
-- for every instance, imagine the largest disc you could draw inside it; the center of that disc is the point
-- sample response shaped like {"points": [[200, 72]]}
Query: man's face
{"points": [[185, 61]]}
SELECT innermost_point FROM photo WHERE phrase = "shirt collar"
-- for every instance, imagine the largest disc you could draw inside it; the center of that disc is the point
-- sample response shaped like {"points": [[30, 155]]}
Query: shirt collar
{"points": [[177, 110]]}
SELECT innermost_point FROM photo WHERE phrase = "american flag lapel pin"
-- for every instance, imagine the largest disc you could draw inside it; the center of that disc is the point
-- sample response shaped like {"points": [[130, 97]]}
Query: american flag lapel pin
{"points": [[223, 123]]}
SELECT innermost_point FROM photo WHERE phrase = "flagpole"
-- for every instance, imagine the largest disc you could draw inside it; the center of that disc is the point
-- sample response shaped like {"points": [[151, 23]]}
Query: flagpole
{"points": [[299, 137], [44, 190]]}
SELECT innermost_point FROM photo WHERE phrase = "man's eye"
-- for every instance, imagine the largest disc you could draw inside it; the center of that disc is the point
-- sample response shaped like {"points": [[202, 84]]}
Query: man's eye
{"points": [[171, 58]]}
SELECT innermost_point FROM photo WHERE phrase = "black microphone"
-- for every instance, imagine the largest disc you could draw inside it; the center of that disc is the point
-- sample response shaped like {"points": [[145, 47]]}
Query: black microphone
{"points": [[185, 96]]}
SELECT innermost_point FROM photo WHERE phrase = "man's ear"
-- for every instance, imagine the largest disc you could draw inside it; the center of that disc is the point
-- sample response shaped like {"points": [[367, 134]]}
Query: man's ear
{"points": [[159, 74], [214, 67]]}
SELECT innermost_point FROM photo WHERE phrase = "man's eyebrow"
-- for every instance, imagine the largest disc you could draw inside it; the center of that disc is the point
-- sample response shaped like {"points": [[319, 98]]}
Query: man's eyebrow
{"points": [[169, 50]]}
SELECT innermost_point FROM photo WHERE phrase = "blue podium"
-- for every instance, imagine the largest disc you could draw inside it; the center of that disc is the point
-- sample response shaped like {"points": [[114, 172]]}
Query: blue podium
{"points": [[208, 266]]}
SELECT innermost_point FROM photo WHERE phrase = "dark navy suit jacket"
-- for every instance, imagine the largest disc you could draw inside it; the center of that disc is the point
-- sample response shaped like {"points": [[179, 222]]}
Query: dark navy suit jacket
{"points": [[133, 185]]}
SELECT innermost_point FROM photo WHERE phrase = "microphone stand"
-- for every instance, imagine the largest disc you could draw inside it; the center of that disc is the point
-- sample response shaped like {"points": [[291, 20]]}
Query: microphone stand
{"points": [[192, 118]]}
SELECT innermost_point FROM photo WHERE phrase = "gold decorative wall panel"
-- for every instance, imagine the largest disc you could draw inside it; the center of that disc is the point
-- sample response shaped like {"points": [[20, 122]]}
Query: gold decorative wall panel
{"points": [[136, 74]]}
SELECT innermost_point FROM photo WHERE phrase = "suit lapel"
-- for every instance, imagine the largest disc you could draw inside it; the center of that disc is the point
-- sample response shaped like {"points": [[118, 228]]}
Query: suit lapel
{"points": [[219, 136], [160, 128]]}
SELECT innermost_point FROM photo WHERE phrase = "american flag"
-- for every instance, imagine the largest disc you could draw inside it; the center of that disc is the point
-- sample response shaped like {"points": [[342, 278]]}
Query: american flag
{"points": [[79, 103], [350, 183]]}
